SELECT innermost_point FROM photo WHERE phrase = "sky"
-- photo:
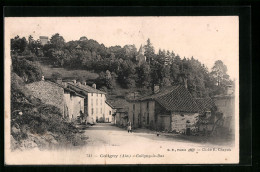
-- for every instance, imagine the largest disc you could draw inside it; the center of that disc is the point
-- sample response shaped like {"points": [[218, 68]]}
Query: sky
{"points": [[207, 39]]}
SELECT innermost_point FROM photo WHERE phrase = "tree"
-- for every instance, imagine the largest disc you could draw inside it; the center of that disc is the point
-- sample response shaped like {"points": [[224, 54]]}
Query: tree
{"points": [[34, 45], [219, 72], [143, 73], [18, 44], [149, 51], [57, 41], [29, 71], [110, 83]]}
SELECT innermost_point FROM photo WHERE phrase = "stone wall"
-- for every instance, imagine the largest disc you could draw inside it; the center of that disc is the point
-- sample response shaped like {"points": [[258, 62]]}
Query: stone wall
{"points": [[48, 93], [226, 105], [179, 121]]}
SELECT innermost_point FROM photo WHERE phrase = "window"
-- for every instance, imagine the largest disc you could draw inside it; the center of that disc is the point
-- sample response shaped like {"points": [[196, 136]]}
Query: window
{"points": [[92, 102], [147, 105], [134, 107], [96, 110], [101, 101], [92, 111], [101, 95], [100, 110], [97, 102], [110, 112]]}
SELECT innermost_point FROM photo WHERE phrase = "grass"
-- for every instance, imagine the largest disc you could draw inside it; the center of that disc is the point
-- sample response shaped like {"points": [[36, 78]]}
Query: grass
{"points": [[48, 70]]}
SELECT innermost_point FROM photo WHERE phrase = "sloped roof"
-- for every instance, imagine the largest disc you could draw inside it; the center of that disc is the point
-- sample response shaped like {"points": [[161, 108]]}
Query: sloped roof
{"points": [[84, 88], [179, 99], [205, 104], [174, 98], [163, 91], [110, 104]]}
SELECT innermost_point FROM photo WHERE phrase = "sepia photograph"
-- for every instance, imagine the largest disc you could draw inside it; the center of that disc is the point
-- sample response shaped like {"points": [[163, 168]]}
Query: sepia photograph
{"points": [[121, 90]]}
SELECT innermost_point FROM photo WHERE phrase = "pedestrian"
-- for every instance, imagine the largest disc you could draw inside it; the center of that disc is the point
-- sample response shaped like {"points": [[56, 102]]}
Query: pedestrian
{"points": [[129, 127]]}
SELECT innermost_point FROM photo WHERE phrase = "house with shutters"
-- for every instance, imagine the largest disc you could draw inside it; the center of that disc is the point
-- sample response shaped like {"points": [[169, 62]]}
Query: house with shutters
{"points": [[168, 109], [96, 109]]}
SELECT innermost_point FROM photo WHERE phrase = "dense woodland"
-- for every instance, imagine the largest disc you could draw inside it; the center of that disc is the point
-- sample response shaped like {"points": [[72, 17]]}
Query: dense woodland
{"points": [[117, 65]]}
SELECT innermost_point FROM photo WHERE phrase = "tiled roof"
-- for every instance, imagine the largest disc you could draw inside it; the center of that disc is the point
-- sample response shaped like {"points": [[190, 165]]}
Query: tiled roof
{"points": [[84, 88], [163, 91], [66, 89], [174, 98], [205, 104], [178, 99]]}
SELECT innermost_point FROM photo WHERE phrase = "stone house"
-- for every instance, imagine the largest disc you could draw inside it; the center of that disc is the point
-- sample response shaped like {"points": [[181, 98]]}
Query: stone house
{"points": [[69, 102], [94, 101], [169, 109]]}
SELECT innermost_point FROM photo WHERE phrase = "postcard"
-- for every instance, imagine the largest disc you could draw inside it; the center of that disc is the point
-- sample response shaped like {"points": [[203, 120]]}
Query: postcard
{"points": [[121, 90]]}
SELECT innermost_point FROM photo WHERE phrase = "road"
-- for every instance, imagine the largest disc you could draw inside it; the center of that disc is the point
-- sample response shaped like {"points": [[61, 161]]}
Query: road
{"points": [[106, 140], [108, 144], [105, 134]]}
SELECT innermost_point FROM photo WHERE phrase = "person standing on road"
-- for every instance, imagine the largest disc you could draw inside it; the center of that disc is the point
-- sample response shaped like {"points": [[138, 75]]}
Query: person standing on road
{"points": [[129, 127]]}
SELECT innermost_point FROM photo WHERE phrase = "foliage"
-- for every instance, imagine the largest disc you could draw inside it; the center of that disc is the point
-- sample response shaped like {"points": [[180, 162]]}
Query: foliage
{"points": [[18, 44], [37, 118], [118, 64], [29, 71]]}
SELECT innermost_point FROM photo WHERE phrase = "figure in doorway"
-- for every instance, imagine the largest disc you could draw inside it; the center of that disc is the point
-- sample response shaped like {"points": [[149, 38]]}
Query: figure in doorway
{"points": [[129, 126]]}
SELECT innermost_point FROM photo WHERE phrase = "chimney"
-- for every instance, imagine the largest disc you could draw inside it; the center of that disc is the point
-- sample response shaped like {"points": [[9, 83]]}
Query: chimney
{"points": [[42, 78], [156, 89], [185, 82], [74, 81], [94, 85]]}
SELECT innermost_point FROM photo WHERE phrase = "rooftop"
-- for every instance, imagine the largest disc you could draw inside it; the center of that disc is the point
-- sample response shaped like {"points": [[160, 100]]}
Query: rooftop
{"points": [[83, 88], [174, 98], [206, 104]]}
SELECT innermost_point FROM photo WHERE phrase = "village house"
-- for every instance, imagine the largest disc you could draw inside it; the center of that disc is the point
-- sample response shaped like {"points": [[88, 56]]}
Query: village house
{"points": [[67, 101], [95, 106], [74, 104], [110, 110], [121, 117], [169, 109]]}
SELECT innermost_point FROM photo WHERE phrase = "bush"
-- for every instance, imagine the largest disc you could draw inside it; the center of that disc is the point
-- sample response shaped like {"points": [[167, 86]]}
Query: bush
{"points": [[29, 71]]}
